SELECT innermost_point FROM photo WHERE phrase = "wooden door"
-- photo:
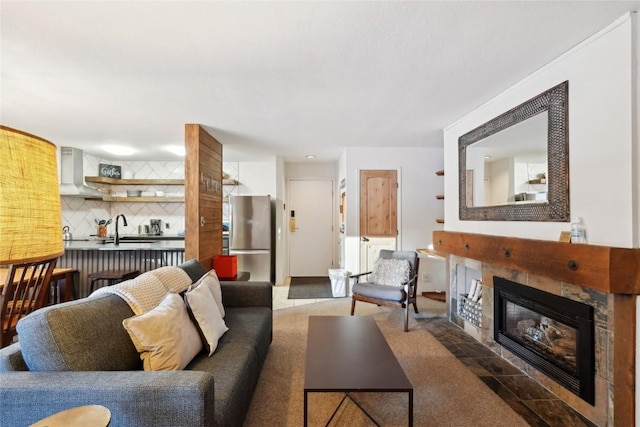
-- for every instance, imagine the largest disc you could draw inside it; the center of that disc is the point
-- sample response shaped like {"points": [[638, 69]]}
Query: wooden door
{"points": [[378, 214], [378, 203]]}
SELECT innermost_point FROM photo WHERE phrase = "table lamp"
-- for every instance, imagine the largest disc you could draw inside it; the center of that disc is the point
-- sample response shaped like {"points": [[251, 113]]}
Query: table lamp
{"points": [[30, 223]]}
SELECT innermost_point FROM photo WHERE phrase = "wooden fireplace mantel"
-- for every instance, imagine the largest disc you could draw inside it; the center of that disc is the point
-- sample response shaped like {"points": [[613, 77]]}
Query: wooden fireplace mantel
{"points": [[603, 268]]}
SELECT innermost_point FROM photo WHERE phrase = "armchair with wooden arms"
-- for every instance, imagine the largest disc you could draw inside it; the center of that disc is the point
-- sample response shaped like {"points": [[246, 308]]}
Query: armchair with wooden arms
{"points": [[392, 283]]}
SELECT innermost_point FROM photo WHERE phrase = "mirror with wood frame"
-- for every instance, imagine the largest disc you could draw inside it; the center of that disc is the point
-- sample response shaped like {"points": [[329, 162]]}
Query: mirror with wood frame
{"points": [[515, 167]]}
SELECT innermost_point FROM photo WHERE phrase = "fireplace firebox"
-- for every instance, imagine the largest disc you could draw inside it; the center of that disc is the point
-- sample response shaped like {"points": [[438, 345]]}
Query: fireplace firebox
{"points": [[552, 333]]}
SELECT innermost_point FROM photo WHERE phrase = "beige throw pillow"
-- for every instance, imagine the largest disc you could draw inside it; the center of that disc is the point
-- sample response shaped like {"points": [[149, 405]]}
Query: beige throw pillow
{"points": [[206, 315], [210, 280], [164, 336]]}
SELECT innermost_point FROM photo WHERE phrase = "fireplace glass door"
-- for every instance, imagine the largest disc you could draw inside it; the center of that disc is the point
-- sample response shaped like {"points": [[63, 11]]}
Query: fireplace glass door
{"points": [[550, 332], [543, 334]]}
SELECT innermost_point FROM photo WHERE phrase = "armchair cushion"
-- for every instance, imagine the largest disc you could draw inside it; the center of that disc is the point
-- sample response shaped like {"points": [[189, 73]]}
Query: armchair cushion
{"points": [[373, 290], [391, 272]]}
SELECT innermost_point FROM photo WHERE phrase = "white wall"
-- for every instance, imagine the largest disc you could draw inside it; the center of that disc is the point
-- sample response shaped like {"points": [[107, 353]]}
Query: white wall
{"points": [[601, 79]]}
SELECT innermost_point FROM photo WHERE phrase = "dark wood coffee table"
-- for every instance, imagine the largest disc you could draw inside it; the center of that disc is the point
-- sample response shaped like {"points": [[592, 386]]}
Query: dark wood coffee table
{"points": [[349, 354]]}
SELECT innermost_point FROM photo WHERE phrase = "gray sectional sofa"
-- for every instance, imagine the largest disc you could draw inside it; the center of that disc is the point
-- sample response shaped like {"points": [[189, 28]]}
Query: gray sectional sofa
{"points": [[80, 354]]}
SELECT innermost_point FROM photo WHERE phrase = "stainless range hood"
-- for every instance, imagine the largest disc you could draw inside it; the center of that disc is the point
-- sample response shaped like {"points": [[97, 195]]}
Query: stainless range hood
{"points": [[72, 174]]}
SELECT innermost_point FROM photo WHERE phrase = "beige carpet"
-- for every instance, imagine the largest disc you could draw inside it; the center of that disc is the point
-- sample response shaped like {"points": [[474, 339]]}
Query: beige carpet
{"points": [[445, 392]]}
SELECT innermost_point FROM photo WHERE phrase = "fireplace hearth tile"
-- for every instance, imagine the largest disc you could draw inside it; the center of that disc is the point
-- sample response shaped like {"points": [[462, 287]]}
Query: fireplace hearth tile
{"points": [[475, 367], [476, 349], [558, 413], [498, 388], [488, 271], [526, 413], [522, 393], [497, 366], [596, 299], [601, 347], [544, 284], [524, 387]]}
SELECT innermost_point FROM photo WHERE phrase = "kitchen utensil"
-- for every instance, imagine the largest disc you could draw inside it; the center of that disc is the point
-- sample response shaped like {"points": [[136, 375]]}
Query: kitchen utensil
{"points": [[66, 234]]}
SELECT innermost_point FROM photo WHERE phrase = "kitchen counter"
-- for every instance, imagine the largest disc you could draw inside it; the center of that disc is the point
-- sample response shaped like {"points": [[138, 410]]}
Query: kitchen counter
{"points": [[92, 255]]}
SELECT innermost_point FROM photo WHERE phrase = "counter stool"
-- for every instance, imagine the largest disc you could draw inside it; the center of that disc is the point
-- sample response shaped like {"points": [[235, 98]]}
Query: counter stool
{"points": [[111, 276]]}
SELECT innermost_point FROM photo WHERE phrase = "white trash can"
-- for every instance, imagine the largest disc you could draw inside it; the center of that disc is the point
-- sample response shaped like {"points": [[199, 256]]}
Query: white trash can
{"points": [[339, 282]]}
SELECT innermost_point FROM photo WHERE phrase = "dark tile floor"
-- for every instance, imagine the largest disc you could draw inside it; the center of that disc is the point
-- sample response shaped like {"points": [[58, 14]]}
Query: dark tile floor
{"points": [[534, 403]]}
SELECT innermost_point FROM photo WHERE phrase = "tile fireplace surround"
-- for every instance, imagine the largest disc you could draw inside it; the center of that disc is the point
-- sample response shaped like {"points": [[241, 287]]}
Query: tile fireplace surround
{"points": [[604, 277]]}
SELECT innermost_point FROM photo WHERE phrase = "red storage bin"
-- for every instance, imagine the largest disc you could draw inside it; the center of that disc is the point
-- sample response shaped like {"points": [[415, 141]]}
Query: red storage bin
{"points": [[226, 266]]}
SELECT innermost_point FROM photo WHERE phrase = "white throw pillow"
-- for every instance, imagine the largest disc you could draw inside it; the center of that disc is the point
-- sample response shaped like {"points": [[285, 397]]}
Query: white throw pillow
{"points": [[210, 281], [164, 336], [391, 272], [206, 315]]}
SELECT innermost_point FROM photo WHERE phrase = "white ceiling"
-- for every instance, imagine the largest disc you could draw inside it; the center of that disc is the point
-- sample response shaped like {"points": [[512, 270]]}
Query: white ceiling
{"points": [[272, 78]]}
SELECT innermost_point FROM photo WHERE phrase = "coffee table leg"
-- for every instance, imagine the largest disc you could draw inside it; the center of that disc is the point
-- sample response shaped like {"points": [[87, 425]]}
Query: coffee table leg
{"points": [[305, 408], [411, 408]]}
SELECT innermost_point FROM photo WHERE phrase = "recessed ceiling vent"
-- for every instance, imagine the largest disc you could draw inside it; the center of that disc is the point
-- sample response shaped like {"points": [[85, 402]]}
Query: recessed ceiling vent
{"points": [[72, 174]]}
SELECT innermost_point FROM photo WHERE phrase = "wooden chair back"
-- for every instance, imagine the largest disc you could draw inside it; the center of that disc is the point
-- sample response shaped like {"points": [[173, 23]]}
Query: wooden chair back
{"points": [[25, 290]]}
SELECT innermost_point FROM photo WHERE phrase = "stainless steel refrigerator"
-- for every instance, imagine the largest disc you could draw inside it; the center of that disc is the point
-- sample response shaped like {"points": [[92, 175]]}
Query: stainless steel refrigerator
{"points": [[250, 235]]}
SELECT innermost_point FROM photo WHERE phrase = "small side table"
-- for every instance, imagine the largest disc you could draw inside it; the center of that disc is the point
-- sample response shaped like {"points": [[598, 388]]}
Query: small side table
{"points": [[81, 416], [242, 276]]}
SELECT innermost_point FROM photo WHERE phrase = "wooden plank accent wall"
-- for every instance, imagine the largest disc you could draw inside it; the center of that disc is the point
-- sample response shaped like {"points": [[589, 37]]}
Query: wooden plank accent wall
{"points": [[603, 268], [203, 195]]}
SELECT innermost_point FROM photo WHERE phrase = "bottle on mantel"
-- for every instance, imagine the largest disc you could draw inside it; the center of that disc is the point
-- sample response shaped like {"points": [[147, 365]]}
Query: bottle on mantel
{"points": [[578, 231]]}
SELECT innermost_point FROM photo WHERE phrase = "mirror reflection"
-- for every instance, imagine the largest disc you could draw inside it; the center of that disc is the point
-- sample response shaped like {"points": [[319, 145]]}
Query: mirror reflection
{"points": [[510, 166]]}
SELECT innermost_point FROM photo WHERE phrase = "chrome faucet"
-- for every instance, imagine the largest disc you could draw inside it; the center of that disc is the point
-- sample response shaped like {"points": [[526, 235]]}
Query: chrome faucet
{"points": [[116, 240]]}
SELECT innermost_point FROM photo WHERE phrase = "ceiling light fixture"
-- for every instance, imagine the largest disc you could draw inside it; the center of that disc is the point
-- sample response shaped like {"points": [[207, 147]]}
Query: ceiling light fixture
{"points": [[310, 156], [118, 150]]}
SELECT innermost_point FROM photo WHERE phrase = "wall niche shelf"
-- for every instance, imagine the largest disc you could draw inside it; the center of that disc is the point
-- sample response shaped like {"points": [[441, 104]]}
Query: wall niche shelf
{"points": [[440, 196]]}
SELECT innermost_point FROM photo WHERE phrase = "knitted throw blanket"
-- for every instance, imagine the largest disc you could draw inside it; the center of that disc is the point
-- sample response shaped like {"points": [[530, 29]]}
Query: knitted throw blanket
{"points": [[147, 290]]}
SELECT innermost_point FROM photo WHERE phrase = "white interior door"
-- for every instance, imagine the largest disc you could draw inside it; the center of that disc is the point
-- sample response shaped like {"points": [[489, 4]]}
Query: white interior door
{"points": [[370, 250], [310, 231]]}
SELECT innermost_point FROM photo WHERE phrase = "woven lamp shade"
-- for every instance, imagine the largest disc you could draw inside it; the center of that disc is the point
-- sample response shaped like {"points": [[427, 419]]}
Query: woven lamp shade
{"points": [[30, 215]]}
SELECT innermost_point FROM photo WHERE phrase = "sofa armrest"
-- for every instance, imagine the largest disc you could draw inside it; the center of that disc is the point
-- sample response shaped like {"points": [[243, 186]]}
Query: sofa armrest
{"points": [[247, 294], [135, 398]]}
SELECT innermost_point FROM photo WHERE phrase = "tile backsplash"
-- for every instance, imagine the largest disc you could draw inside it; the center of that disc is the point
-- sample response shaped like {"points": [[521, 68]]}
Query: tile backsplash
{"points": [[80, 214]]}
